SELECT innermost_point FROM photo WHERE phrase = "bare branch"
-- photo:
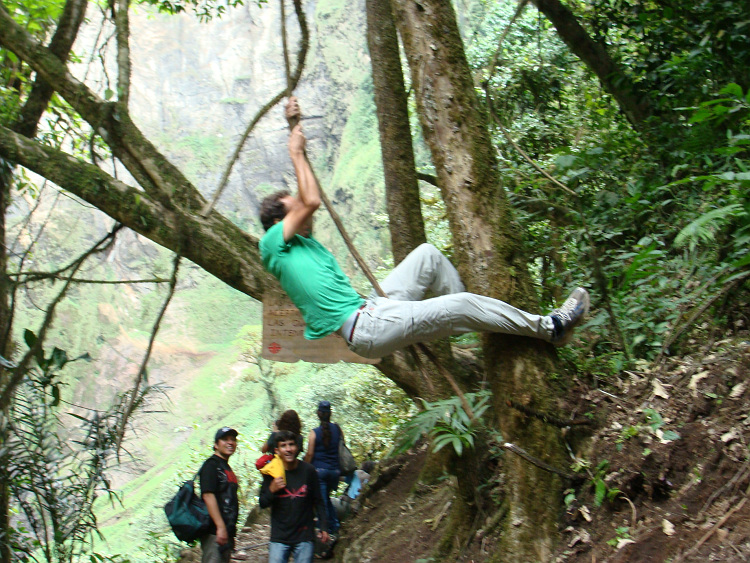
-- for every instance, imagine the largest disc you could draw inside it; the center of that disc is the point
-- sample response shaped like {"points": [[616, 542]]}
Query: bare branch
{"points": [[20, 371], [38, 276], [12, 297], [538, 462], [147, 356], [493, 63]]}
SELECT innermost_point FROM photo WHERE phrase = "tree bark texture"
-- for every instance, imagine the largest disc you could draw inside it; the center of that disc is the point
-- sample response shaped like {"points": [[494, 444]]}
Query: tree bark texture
{"points": [[401, 185], [490, 260], [5, 178], [214, 243], [634, 104]]}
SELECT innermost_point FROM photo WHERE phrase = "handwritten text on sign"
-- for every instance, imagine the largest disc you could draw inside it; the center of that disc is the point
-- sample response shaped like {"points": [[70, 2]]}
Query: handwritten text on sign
{"points": [[284, 336]]}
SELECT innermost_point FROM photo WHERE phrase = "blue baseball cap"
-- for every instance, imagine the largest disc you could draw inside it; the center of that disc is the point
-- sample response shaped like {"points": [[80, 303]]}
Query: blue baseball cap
{"points": [[324, 406]]}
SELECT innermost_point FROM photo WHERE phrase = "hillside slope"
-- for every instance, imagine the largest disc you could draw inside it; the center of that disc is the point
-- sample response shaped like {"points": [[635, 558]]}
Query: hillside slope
{"points": [[668, 455]]}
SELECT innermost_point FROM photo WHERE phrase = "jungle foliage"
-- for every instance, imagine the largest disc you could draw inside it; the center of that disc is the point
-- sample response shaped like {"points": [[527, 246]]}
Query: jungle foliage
{"points": [[656, 216], [653, 214]]}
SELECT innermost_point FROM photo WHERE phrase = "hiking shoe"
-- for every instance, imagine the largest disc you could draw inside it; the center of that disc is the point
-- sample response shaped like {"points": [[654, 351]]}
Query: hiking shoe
{"points": [[569, 316]]}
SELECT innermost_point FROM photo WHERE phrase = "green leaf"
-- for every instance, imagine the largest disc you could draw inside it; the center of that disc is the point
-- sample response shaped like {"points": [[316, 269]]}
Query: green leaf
{"points": [[732, 89], [600, 492], [703, 228], [29, 337], [59, 358]]}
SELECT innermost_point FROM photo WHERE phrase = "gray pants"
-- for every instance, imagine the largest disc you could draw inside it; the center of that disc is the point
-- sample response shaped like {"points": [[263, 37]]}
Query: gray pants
{"points": [[213, 552], [403, 318]]}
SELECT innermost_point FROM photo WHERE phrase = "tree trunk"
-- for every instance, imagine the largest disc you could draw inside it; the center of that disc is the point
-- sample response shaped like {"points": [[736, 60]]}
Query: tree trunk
{"points": [[5, 553], [490, 260], [634, 104], [26, 124], [401, 185]]}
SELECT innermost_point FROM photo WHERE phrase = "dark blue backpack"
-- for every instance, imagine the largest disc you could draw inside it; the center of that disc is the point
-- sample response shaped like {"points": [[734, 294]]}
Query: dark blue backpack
{"points": [[187, 514]]}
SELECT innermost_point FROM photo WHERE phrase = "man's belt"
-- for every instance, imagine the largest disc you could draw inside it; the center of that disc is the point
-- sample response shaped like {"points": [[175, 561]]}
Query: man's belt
{"points": [[347, 329]]}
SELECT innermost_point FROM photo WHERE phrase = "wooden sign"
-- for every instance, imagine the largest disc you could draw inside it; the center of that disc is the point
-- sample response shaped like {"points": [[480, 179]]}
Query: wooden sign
{"points": [[284, 339]]}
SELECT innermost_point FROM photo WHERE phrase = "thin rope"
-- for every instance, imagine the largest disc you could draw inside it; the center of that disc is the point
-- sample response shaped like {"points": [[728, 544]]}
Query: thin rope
{"points": [[291, 83]]}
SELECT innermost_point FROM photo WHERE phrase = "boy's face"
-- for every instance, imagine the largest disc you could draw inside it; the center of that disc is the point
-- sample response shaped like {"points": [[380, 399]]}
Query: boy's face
{"points": [[226, 446], [287, 450]]}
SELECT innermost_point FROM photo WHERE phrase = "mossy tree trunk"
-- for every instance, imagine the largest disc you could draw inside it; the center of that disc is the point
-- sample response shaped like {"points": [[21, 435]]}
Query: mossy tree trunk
{"points": [[5, 180], [401, 184], [488, 248]]}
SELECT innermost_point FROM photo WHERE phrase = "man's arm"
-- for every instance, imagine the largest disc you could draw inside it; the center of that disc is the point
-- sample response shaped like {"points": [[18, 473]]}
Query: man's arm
{"points": [[299, 216], [212, 505], [310, 447]]}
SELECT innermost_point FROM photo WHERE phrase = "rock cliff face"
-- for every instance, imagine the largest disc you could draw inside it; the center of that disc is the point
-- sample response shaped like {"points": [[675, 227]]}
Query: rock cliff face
{"points": [[196, 87]]}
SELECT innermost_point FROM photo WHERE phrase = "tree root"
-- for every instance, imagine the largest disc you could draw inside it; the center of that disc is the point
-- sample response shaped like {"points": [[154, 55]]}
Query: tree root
{"points": [[548, 418], [539, 463]]}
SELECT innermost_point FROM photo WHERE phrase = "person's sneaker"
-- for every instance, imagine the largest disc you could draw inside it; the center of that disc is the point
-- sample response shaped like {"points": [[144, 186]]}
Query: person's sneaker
{"points": [[569, 316]]}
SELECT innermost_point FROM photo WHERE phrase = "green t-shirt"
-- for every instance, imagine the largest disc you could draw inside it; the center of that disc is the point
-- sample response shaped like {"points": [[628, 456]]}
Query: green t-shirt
{"points": [[312, 279]]}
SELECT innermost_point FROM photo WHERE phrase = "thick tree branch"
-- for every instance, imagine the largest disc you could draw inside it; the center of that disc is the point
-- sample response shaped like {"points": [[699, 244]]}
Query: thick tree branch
{"points": [[214, 243], [636, 106]]}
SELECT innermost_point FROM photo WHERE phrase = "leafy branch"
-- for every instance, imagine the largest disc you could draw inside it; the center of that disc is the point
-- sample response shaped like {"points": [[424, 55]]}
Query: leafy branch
{"points": [[446, 422]]}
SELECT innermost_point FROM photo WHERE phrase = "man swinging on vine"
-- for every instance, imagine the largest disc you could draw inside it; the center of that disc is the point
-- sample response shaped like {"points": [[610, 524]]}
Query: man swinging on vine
{"points": [[379, 326]]}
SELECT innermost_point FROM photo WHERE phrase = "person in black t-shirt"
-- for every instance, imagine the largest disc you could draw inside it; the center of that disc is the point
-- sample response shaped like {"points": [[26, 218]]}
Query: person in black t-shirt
{"points": [[293, 499], [219, 491]]}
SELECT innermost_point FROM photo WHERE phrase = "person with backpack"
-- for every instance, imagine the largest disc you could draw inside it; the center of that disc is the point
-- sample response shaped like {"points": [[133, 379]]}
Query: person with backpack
{"points": [[294, 499], [219, 491], [323, 453]]}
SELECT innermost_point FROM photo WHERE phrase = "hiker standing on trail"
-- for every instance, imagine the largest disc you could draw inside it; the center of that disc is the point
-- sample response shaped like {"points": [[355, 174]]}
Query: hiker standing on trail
{"points": [[379, 326], [293, 499], [323, 453], [219, 491], [289, 421]]}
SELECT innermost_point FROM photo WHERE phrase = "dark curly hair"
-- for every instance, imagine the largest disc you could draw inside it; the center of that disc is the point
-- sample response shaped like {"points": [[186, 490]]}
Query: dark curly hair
{"points": [[272, 208], [284, 436], [290, 421]]}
